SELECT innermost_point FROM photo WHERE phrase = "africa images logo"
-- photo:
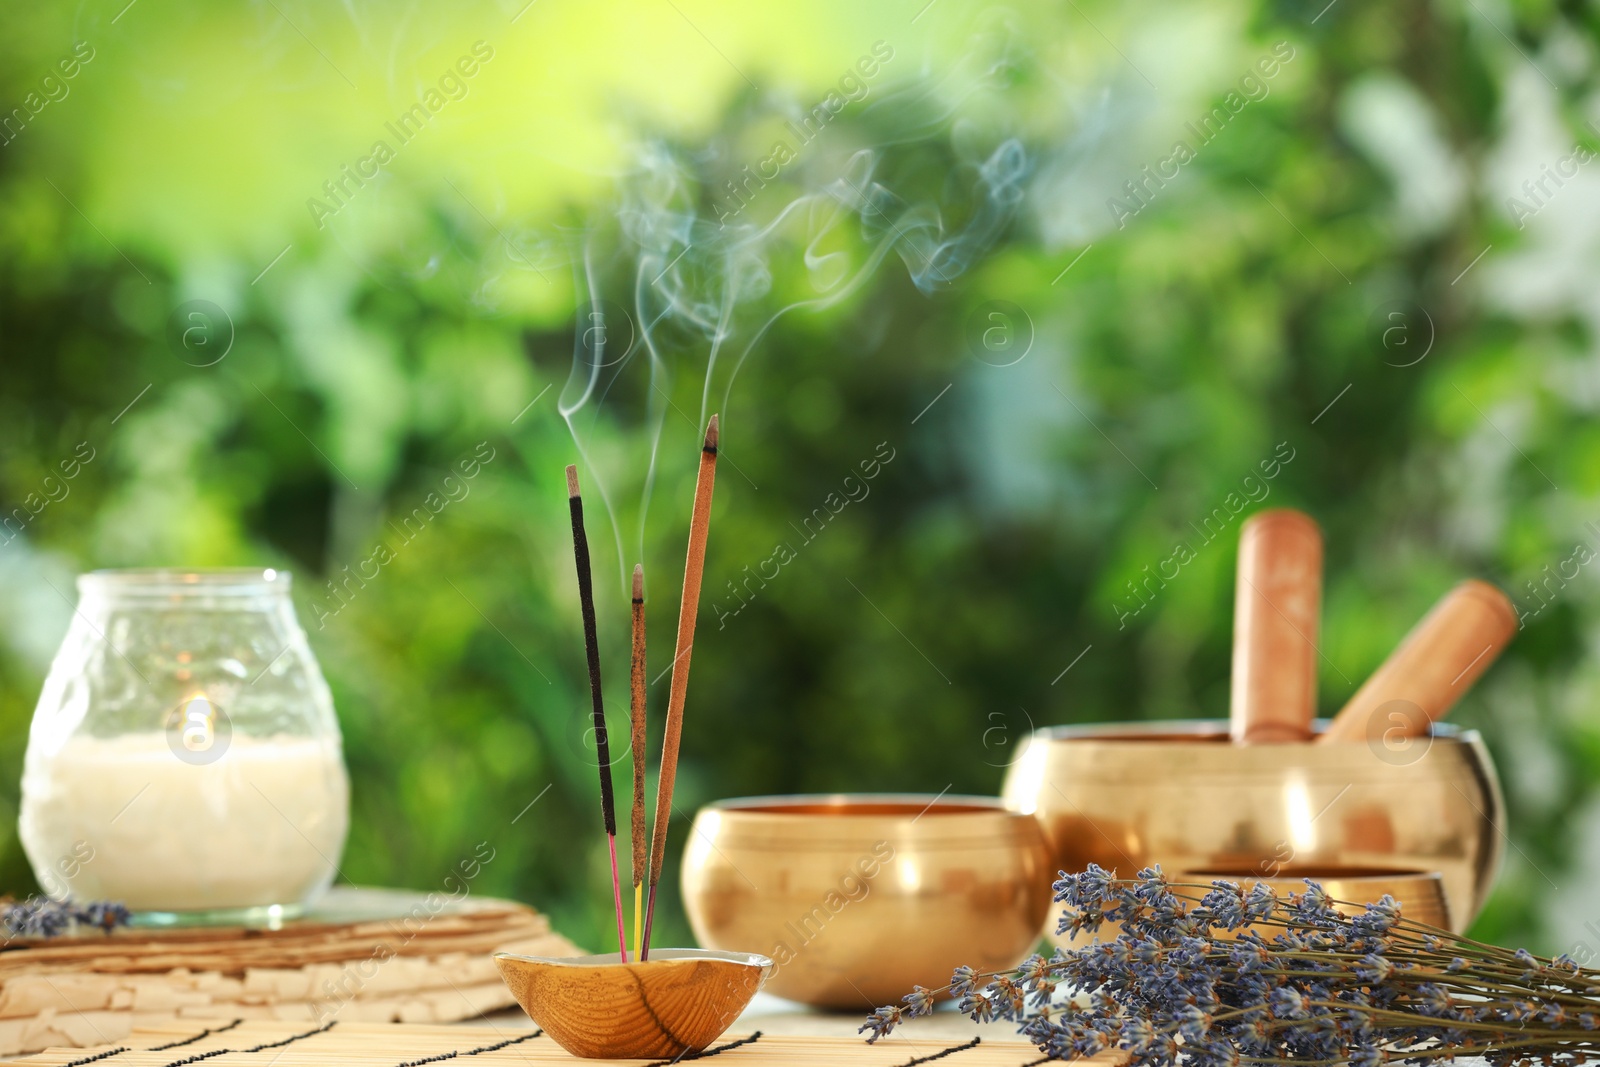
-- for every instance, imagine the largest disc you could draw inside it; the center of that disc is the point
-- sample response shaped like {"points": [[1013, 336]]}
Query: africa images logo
{"points": [[1252, 85], [351, 178]]}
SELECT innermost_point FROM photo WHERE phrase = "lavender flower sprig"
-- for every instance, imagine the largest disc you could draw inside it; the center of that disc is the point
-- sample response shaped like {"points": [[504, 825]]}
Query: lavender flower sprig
{"points": [[43, 917], [1215, 976]]}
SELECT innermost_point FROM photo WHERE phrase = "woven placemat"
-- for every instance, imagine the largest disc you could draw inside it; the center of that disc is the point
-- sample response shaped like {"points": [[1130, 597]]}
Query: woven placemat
{"points": [[258, 1044], [426, 960]]}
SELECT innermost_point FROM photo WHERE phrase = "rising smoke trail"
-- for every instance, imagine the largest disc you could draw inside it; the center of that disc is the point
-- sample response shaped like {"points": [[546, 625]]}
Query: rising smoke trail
{"points": [[683, 269]]}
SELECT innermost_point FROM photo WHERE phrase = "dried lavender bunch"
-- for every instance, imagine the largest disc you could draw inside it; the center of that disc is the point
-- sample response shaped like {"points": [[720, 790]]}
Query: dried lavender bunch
{"points": [[43, 917], [1214, 976]]}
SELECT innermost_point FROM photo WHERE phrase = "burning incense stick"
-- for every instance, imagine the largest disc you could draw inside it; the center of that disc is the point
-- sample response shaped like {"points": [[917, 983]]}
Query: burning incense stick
{"points": [[638, 739], [602, 744], [699, 526]]}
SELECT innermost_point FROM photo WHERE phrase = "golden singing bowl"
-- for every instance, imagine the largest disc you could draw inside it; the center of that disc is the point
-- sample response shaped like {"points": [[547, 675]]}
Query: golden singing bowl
{"points": [[679, 1000], [1420, 894], [859, 898], [1129, 795]]}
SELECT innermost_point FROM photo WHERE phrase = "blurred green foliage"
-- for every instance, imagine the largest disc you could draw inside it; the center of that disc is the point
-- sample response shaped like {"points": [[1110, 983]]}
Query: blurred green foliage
{"points": [[910, 644]]}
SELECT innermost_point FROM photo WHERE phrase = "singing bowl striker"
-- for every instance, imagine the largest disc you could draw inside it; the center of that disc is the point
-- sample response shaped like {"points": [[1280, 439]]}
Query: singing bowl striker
{"points": [[678, 1001], [857, 898], [1179, 794]]}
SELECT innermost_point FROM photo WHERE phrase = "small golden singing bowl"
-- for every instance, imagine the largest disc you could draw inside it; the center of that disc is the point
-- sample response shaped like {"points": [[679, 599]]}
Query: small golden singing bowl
{"points": [[679, 1000], [1420, 894], [1179, 794], [858, 898]]}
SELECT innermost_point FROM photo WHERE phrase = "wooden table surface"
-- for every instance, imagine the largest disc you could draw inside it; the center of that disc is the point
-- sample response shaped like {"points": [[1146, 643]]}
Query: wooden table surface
{"points": [[774, 1015]]}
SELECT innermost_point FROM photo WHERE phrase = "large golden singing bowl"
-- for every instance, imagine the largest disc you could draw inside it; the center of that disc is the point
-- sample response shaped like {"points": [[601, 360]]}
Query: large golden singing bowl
{"points": [[678, 1001], [1420, 894], [859, 898], [1180, 794]]}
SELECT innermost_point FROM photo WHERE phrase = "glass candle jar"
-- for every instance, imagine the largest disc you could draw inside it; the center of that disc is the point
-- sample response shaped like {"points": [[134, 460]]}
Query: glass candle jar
{"points": [[184, 758]]}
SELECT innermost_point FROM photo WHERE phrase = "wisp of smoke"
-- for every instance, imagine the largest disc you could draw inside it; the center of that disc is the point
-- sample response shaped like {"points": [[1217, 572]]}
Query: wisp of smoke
{"points": [[688, 269]]}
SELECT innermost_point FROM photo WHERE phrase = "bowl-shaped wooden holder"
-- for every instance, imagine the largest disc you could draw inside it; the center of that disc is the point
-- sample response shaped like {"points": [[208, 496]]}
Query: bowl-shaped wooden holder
{"points": [[679, 1000]]}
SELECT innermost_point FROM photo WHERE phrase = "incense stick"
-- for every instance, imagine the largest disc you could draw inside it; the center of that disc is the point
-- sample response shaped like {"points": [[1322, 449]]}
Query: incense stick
{"points": [[602, 743], [688, 609], [638, 738]]}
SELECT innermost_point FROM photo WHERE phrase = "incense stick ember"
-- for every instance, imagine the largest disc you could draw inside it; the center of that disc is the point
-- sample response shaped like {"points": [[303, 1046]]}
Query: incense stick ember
{"points": [[602, 744], [688, 610], [638, 739]]}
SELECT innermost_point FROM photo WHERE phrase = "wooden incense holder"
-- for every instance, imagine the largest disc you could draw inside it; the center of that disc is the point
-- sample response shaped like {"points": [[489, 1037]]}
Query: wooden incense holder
{"points": [[1277, 608], [678, 1001], [1436, 663]]}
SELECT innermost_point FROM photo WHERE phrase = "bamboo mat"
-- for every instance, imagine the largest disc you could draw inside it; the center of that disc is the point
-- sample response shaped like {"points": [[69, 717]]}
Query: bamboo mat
{"points": [[260, 1044], [424, 962]]}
